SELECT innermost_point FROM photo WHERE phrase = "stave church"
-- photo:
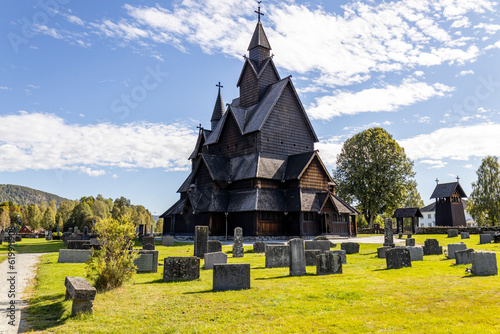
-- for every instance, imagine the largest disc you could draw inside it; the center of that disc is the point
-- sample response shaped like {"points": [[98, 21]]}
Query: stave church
{"points": [[256, 167]]}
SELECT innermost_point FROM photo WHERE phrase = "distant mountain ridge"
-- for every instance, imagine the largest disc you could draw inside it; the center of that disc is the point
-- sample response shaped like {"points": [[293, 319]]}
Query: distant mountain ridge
{"points": [[21, 195]]}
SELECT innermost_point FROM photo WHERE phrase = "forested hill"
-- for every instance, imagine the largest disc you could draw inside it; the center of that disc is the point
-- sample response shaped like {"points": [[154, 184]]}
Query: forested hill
{"points": [[25, 196]]}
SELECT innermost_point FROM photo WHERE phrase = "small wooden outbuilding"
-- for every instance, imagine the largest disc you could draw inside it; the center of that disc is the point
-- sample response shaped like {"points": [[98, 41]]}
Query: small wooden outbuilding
{"points": [[401, 213]]}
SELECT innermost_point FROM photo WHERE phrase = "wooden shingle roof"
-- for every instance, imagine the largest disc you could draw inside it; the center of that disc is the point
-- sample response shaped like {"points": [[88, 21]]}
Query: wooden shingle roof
{"points": [[259, 38], [407, 213], [447, 189]]}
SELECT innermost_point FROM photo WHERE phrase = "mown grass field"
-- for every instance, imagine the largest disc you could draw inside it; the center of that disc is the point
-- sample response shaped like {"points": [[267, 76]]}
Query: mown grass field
{"points": [[435, 295], [32, 245]]}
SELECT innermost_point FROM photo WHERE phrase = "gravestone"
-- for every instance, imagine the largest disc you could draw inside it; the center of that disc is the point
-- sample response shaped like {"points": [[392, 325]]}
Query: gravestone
{"points": [[234, 276], [328, 263], [388, 234], [311, 256], [397, 258], [297, 257], [342, 254], [484, 264], [70, 230], [74, 255], [238, 250], [78, 244], [277, 256], [259, 247], [496, 238], [58, 231], [381, 251], [485, 238], [416, 253], [465, 235], [147, 262], [431, 247], [214, 246], [76, 231], [350, 247], [200, 241], [148, 243], [464, 256], [181, 268], [452, 248], [323, 245], [85, 230], [213, 258], [452, 233], [410, 242], [151, 232], [49, 234], [167, 240], [81, 292]]}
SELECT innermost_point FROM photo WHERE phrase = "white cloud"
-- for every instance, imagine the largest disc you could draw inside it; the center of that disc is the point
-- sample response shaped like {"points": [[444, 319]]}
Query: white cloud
{"points": [[4, 88], [51, 143], [424, 119], [488, 28], [493, 46], [434, 164], [74, 19], [462, 73], [469, 166], [388, 98], [49, 31], [329, 149], [418, 73]]}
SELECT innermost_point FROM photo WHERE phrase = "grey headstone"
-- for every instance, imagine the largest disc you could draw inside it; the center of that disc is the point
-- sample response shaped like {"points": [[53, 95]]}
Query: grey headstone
{"points": [[154, 260], [323, 245], [213, 258], [151, 231], [82, 293], [350, 247], [58, 231], [78, 244], [214, 246], [484, 264], [311, 256], [416, 253], [465, 235], [148, 242], [277, 256], [148, 247], [398, 258], [381, 251], [410, 242], [328, 263], [76, 231], [85, 230], [297, 257], [388, 234], [70, 230], [144, 263], [452, 233], [167, 240], [431, 247], [452, 248], [342, 254], [181, 268], [259, 247], [74, 255], [235, 276], [485, 238], [464, 256], [238, 250], [200, 241]]}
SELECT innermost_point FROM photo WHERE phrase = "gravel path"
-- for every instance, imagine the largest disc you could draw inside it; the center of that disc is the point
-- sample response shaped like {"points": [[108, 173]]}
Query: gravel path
{"points": [[24, 271]]}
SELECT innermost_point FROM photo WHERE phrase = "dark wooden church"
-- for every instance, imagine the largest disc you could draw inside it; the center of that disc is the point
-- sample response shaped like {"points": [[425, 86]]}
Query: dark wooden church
{"points": [[256, 167], [449, 206]]}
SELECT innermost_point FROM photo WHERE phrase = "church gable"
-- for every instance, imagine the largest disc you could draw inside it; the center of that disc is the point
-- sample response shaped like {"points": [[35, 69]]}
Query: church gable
{"points": [[286, 131], [268, 76], [248, 86], [315, 176], [202, 178], [231, 142]]}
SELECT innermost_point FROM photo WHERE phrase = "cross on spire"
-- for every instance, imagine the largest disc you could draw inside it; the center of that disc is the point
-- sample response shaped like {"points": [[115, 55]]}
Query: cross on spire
{"points": [[259, 13], [219, 85], [437, 180], [199, 127], [458, 178]]}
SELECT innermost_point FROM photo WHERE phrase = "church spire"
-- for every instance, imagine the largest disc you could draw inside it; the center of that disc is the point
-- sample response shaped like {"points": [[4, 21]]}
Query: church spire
{"points": [[219, 109], [259, 45]]}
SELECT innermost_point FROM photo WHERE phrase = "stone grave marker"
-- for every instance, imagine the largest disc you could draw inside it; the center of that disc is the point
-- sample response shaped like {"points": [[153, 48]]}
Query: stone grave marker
{"points": [[465, 235], [213, 258], [342, 254], [297, 257], [148, 243], [416, 253], [388, 234], [234, 276], [58, 231], [323, 245], [484, 264], [74, 255], [49, 234], [381, 251], [452, 248], [311, 256], [485, 238], [238, 250], [277, 256], [148, 261], [167, 240], [397, 258], [81, 292], [200, 241], [328, 263], [181, 268], [410, 242], [464, 256], [70, 230], [431, 247], [214, 246], [259, 247], [350, 247], [452, 233]]}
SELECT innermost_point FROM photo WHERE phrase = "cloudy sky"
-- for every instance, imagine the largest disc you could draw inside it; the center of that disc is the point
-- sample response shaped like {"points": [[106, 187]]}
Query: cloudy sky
{"points": [[103, 97]]}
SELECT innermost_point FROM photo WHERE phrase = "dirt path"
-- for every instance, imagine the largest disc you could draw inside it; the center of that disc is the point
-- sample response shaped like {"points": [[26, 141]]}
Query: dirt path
{"points": [[23, 272]]}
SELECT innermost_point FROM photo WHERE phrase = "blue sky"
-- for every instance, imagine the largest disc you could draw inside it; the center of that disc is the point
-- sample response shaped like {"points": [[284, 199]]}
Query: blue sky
{"points": [[103, 97]]}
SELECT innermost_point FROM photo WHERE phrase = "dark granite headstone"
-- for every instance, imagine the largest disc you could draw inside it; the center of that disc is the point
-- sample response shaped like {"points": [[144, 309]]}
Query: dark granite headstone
{"points": [[398, 258], [452, 248], [311, 256], [78, 244], [297, 257], [452, 233], [214, 246], [149, 263], [342, 254], [238, 250], [70, 230], [381, 251], [465, 235], [350, 247], [328, 263], [234, 276], [277, 256], [388, 234], [484, 264], [200, 241], [323, 245], [416, 253], [259, 247], [148, 243], [431, 247], [181, 268], [410, 242], [58, 231], [485, 238], [464, 256]]}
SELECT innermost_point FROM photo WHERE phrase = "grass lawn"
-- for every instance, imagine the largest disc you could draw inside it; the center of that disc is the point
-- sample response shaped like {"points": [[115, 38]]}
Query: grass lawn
{"points": [[28, 245], [435, 295]]}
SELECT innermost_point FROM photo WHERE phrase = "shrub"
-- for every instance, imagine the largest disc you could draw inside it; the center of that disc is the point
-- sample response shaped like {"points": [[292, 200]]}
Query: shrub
{"points": [[113, 263]]}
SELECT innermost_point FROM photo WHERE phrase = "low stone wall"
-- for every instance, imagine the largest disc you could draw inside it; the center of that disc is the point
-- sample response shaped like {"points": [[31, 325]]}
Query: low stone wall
{"points": [[437, 230]]}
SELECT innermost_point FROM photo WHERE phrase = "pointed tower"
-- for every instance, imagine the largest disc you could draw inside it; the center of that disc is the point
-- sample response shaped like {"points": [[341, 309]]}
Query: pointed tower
{"points": [[259, 47], [219, 109]]}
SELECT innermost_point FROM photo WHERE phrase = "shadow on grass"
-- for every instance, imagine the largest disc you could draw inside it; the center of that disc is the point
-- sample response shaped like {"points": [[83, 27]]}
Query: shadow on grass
{"points": [[156, 281], [284, 276], [198, 292], [46, 312]]}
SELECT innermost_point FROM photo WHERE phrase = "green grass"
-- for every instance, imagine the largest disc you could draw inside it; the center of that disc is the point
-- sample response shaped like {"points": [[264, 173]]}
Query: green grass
{"points": [[28, 245], [435, 295]]}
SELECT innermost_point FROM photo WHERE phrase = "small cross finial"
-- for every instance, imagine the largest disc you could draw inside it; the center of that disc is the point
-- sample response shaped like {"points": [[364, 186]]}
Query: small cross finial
{"points": [[458, 178], [437, 180], [219, 85], [199, 127], [259, 13]]}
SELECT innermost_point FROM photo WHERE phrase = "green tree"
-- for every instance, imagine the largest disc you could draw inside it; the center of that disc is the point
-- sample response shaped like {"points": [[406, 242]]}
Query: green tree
{"points": [[33, 216], [484, 201], [79, 216], [4, 218], [64, 212], [373, 170], [159, 225], [49, 218], [413, 199], [113, 263]]}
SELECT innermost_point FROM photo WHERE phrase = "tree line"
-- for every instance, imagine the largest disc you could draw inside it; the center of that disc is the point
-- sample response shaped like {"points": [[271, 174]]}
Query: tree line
{"points": [[84, 212]]}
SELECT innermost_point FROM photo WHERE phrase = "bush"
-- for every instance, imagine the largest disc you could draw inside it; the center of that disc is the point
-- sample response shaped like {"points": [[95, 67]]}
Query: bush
{"points": [[113, 263]]}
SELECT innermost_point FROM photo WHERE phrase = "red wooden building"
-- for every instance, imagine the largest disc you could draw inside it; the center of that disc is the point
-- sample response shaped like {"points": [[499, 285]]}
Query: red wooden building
{"points": [[256, 167]]}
